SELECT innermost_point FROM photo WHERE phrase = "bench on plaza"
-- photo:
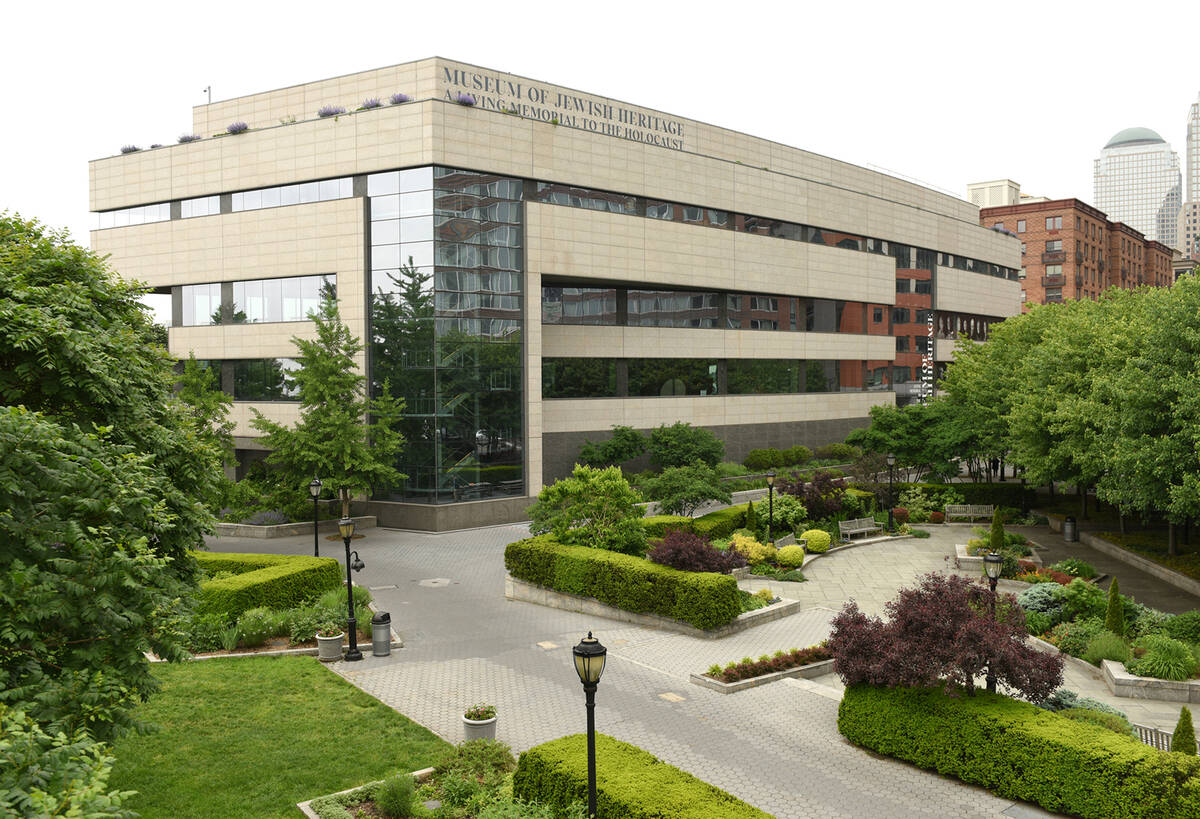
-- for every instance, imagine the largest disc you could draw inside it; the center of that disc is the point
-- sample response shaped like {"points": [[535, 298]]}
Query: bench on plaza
{"points": [[857, 526], [970, 511]]}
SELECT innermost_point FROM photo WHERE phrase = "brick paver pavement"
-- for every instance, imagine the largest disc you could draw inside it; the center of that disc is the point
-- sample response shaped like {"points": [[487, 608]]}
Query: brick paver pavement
{"points": [[775, 746]]}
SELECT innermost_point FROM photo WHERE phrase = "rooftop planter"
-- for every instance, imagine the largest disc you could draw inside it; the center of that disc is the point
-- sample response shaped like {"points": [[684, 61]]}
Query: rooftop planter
{"points": [[368, 104], [399, 99], [188, 138], [129, 149], [237, 128], [330, 111], [464, 99]]}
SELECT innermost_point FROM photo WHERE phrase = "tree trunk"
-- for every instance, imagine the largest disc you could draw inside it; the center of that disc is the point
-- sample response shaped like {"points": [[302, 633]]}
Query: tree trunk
{"points": [[1187, 531], [1171, 539], [1001, 469], [345, 493], [1082, 490], [1121, 519], [1051, 490]]}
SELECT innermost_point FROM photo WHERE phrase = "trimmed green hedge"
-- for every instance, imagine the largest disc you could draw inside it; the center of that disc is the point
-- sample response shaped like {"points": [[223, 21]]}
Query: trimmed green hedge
{"points": [[721, 523], [630, 783], [1019, 751], [705, 600], [274, 581], [658, 525]]}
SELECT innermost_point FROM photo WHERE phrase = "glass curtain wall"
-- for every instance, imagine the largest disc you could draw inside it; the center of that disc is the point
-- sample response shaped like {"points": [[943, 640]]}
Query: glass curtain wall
{"points": [[446, 272]]}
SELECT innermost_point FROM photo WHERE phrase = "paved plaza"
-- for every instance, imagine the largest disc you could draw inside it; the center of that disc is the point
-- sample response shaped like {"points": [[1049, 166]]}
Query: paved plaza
{"points": [[775, 746]]}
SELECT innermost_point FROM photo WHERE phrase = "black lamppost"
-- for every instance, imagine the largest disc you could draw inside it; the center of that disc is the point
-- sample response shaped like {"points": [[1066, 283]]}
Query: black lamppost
{"points": [[891, 462], [589, 665], [314, 489], [992, 564], [346, 528], [770, 506]]}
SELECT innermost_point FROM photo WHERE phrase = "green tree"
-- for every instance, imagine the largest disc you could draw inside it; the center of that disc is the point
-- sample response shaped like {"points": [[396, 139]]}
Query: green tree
{"points": [[681, 444], [680, 490], [1184, 739], [200, 391], [593, 507], [625, 444], [347, 439], [1114, 615], [996, 539], [919, 435], [77, 344]]}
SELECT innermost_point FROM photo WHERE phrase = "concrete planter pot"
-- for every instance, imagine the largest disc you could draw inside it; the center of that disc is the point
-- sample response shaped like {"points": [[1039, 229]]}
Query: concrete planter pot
{"points": [[479, 729], [329, 649]]}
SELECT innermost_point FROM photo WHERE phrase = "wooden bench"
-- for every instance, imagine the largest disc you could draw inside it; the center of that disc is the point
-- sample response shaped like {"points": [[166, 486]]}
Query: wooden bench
{"points": [[971, 511], [858, 526]]}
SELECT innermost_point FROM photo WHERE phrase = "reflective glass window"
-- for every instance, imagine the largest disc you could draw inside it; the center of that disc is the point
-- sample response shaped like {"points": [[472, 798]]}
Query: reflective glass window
{"points": [[763, 376], [264, 379], [201, 304], [672, 308], [579, 377], [672, 376], [579, 305]]}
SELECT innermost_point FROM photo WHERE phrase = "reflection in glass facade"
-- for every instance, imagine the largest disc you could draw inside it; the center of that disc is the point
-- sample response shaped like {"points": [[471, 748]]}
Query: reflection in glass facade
{"points": [[446, 273], [579, 378], [672, 308], [301, 194], [290, 299], [201, 304], [264, 379], [672, 376], [764, 376], [651, 377], [579, 305]]}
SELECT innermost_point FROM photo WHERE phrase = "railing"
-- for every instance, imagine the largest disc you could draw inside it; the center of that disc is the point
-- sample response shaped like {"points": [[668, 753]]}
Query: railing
{"points": [[1054, 257], [1153, 737], [1053, 281]]}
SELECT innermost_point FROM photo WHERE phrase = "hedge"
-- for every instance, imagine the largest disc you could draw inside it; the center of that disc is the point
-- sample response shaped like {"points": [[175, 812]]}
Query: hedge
{"points": [[274, 581], [721, 523], [630, 783], [995, 494], [705, 600], [1019, 751], [658, 525]]}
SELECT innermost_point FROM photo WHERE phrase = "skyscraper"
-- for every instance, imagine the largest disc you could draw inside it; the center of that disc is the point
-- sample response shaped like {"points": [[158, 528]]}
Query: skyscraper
{"points": [[1192, 173], [1137, 181]]}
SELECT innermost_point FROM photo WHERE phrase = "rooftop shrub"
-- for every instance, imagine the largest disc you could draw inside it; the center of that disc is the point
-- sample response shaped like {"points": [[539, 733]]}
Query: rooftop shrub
{"points": [[237, 127], [398, 98], [330, 111]]}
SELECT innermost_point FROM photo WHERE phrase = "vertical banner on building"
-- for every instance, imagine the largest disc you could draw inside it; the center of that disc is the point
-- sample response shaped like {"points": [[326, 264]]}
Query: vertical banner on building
{"points": [[927, 361]]}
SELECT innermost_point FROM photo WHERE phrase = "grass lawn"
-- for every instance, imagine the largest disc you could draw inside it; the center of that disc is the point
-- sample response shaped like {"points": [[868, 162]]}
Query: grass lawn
{"points": [[252, 737]]}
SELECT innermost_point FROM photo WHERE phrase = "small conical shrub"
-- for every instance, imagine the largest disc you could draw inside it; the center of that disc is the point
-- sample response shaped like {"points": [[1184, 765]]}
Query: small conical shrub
{"points": [[752, 518], [1114, 616], [1184, 739], [997, 539]]}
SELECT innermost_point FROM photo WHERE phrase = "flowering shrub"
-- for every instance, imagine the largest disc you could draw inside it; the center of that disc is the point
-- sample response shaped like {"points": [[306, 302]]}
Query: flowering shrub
{"points": [[373, 102], [480, 711], [1075, 567], [330, 111], [129, 149], [1073, 638], [692, 553], [780, 661], [237, 127], [398, 99], [188, 138], [942, 631], [464, 99]]}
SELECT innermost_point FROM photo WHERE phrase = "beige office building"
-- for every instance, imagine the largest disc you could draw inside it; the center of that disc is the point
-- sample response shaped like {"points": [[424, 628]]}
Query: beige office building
{"points": [[531, 265]]}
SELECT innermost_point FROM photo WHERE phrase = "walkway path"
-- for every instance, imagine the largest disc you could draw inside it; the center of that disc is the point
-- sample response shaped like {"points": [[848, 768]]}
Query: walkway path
{"points": [[775, 746]]}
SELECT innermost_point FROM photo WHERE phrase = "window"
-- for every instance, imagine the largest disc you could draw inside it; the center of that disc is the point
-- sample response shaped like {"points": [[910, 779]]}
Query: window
{"points": [[1077, 222], [903, 285], [1053, 223], [902, 344], [204, 206], [923, 285], [201, 304], [1022, 248], [1020, 226], [1054, 270], [1054, 246], [998, 226]]}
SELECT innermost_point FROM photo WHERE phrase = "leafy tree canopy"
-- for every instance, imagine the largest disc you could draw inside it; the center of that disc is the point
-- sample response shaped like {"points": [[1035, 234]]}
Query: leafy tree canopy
{"points": [[680, 490], [681, 444], [593, 507]]}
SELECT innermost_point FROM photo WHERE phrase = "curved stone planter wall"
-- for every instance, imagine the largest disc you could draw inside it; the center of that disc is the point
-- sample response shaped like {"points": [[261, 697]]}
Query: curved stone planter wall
{"points": [[805, 671]]}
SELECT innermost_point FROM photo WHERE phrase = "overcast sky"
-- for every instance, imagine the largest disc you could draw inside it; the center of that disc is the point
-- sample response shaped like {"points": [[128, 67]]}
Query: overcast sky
{"points": [[943, 93]]}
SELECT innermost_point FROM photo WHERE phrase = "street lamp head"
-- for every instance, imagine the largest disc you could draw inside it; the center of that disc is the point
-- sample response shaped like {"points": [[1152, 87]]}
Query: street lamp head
{"points": [[356, 562], [346, 528], [314, 488], [770, 479], [992, 564], [589, 659], [891, 459]]}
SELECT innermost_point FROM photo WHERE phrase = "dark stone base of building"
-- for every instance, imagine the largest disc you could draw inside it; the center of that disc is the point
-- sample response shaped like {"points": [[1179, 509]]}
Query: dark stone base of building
{"points": [[427, 517]]}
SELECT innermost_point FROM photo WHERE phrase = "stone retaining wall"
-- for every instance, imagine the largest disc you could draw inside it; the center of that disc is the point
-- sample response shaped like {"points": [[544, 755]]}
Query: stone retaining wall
{"points": [[289, 529]]}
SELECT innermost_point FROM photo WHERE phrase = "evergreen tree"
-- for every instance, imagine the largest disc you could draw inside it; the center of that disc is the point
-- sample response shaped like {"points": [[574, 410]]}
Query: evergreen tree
{"points": [[752, 522], [997, 537], [348, 440], [1184, 738], [1114, 616]]}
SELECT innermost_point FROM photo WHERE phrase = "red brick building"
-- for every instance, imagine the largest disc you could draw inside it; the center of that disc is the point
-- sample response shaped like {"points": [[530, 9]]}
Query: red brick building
{"points": [[1070, 250]]}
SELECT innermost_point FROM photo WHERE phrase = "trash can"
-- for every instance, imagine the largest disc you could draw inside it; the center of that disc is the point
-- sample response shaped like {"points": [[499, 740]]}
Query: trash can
{"points": [[1070, 533], [381, 634]]}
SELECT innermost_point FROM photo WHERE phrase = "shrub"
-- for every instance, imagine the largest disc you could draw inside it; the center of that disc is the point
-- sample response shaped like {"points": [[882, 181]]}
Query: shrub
{"points": [[1065, 698], [372, 102], [752, 550], [691, 553], [681, 444], [937, 517], [941, 631], [858, 504], [1044, 599], [1185, 627], [273, 581], [330, 111], [1165, 658], [270, 517], [1111, 722], [761, 460], [816, 540], [1114, 615], [625, 444], [842, 453], [821, 495], [302, 623], [780, 661], [593, 507], [788, 514], [1081, 600], [202, 632], [721, 523], [1184, 739], [1106, 646], [790, 557], [1142, 620], [129, 149], [1073, 637], [1021, 752], [918, 502], [398, 98], [237, 127], [753, 523], [185, 138], [1037, 623], [702, 599], [794, 576], [680, 490], [1075, 567], [900, 515], [631, 783], [257, 626], [796, 455], [657, 526]]}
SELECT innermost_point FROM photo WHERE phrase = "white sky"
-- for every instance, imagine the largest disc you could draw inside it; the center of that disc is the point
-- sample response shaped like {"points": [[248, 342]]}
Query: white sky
{"points": [[945, 93]]}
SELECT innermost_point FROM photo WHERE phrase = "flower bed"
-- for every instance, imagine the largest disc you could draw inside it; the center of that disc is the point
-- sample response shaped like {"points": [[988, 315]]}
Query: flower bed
{"points": [[766, 664]]}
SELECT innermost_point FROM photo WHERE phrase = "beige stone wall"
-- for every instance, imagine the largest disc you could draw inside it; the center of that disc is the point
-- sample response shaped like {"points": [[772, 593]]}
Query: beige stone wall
{"points": [[966, 292], [943, 349], [592, 244], [534, 351], [669, 342], [584, 415]]}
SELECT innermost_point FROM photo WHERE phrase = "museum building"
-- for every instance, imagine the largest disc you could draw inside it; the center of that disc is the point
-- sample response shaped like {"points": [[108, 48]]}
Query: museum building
{"points": [[530, 265]]}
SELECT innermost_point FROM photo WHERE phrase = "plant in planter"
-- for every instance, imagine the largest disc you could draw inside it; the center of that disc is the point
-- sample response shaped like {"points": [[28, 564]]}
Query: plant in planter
{"points": [[188, 138], [237, 127], [129, 149], [368, 104], [464, 99], [399, 99], [330, 111], [329, 642], [479, 722]]}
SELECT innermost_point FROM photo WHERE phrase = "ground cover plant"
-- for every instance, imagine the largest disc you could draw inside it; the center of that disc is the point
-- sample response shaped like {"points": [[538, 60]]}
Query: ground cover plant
{"points": [[747, 668], [261, 728]]}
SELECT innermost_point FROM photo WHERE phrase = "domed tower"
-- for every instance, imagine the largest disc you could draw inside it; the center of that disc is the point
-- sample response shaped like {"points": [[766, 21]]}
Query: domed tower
{"points": [[1137, 181]]}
